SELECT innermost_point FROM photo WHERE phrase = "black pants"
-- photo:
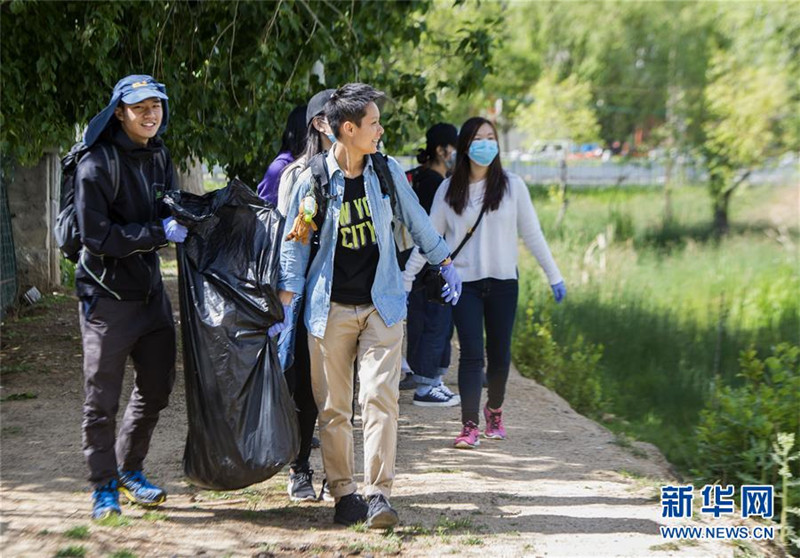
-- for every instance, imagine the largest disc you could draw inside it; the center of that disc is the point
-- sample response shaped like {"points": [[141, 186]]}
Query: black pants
{"points": [[486, 305], [298, 378], [112, 330]]}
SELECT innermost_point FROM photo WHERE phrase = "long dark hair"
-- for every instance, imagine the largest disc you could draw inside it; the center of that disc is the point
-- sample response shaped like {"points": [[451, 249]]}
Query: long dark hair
{"points": [[294, 135], [496, 180], [313, 141]]}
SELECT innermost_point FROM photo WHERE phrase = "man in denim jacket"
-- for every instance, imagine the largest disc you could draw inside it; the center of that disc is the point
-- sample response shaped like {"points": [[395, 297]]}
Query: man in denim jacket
{"points": [[356, 302]]}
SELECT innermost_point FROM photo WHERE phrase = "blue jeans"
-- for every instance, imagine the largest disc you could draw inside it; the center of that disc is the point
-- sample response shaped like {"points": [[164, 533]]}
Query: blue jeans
{"points": [[429, 329], [489, 304]]}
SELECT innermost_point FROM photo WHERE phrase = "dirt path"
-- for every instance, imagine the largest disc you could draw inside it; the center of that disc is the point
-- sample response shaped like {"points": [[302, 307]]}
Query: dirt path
{"points": [[561, 485]]}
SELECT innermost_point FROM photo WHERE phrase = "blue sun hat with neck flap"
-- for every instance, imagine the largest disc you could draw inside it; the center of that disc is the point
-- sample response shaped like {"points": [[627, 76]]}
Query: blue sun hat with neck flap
{"points": [[129, 90]]}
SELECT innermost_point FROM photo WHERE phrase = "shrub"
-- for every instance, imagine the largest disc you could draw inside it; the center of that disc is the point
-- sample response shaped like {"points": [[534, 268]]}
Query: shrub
{"points": [[572, 371], [740, 425]]}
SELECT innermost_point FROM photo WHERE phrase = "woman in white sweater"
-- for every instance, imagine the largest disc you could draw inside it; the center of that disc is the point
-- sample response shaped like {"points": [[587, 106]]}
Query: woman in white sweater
{"points": [[487, 265]]}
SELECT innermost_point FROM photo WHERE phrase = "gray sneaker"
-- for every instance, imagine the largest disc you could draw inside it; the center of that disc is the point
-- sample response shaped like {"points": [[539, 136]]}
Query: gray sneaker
{"points": [[381, 514], [300, 487]]}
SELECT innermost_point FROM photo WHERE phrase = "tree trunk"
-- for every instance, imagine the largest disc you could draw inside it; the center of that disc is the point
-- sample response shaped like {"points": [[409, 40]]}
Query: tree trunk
{"points": [[721, 226], [191, 180], [721, 203]]}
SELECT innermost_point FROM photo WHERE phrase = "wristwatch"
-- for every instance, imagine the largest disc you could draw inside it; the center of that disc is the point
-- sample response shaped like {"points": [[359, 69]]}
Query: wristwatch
{"points": [[447, 261]]}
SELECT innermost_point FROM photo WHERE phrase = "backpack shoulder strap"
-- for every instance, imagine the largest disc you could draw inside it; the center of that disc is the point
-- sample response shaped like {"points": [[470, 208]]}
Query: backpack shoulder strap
{"points": [[112, 163], [320, 186], [381, 164]]}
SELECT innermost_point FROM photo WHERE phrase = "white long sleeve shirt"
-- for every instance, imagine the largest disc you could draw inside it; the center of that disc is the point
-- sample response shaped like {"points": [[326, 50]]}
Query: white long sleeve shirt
{"points": [[492, 251]]}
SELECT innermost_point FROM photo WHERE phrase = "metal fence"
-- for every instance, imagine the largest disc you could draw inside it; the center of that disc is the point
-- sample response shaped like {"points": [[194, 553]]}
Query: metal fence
{"points": [[598, 174], [636, 173]]}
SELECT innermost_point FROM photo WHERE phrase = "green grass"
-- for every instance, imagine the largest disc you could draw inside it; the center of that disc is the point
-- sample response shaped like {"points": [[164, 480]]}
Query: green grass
{"points": [[154, 516], [473, 541], [19, 396], [122, 554], [79, 532], [114, 521], [9, 369], [672, 306], [78, 551], [447, 526]]}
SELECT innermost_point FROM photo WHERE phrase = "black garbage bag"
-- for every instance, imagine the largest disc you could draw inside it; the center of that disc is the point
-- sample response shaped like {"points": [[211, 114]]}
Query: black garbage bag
{"points": [[242, 422]]}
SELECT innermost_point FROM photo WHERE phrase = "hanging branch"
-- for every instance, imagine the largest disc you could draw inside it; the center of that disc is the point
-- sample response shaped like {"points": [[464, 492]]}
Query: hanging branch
{"points": [[297, 62], [230, 55], [158, 58], [268, 30], [317, 22], [213, 47]]}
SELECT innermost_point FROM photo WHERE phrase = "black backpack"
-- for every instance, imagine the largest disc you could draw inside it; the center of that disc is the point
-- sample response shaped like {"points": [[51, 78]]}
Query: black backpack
{"points": [[66, 231]]}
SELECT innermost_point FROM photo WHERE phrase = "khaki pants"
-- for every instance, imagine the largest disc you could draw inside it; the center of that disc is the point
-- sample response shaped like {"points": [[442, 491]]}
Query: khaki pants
{"points": [[357, 334]]}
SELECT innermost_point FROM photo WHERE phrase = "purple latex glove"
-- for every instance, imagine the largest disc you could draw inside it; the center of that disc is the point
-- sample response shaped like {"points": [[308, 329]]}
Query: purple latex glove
{"points": [[174, 231], [452, 290], [277, 327], [559, 291]]}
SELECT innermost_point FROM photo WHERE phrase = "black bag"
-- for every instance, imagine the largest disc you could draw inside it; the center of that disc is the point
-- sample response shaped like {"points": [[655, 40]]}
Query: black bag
{"points": [[68, 236], [242, 421], [432, 279]]}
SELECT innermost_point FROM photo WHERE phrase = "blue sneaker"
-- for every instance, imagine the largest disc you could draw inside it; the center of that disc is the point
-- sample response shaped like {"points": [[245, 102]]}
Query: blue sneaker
{"points": [[139, 490], [106, 500]]}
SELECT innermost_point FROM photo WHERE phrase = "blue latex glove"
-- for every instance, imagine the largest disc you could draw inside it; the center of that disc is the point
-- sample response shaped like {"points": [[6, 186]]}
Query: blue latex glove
{"points": [[276, 328], [174, 231], [559, 291], [452, 290]]}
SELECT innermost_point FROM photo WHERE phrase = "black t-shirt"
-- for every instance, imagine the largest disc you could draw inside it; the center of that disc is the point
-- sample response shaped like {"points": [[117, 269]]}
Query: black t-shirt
{"points": [[426, 182], [356, 258]]}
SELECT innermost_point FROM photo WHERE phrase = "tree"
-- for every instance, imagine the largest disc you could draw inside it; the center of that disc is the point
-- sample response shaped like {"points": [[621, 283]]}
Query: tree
{"points": [[560, 109], [752, 101], [233, 69]]}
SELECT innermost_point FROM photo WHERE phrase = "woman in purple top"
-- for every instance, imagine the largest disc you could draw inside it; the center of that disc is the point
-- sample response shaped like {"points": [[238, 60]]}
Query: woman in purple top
{"points": [[292, 145]]}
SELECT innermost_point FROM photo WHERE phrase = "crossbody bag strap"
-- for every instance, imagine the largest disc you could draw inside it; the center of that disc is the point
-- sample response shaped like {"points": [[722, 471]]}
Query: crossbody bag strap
{"points": [[469, 234]]}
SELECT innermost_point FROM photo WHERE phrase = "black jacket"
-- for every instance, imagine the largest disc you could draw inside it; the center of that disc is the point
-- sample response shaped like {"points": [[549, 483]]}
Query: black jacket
{"points": [[120, 234]]}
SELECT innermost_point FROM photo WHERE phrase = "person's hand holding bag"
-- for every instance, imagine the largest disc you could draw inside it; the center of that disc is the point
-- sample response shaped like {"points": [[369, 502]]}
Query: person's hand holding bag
{"points": [[278, 327]]}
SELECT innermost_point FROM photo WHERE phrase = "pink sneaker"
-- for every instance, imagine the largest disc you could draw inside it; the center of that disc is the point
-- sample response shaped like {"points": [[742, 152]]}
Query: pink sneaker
{"points": [[470, 437], [494, 423]]}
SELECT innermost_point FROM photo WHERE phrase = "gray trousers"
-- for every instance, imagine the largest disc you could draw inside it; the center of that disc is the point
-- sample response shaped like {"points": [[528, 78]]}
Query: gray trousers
{"points": [[112, 330]]}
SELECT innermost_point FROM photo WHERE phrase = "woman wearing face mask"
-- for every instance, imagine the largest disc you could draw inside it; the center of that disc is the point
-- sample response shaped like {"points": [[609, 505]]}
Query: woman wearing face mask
{"points": [[319, 138], [488, 266], [429, 325], [293, 341]]}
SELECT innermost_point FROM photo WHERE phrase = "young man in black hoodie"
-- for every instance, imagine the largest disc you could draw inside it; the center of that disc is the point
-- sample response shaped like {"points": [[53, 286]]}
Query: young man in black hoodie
{"points": [[124, 311]]}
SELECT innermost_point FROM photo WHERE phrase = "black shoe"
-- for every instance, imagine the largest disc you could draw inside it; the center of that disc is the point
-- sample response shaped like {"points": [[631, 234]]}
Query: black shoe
{"points": [[381, 514], [408, 382], [350, 509], [300, 486], [314, 442]]}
